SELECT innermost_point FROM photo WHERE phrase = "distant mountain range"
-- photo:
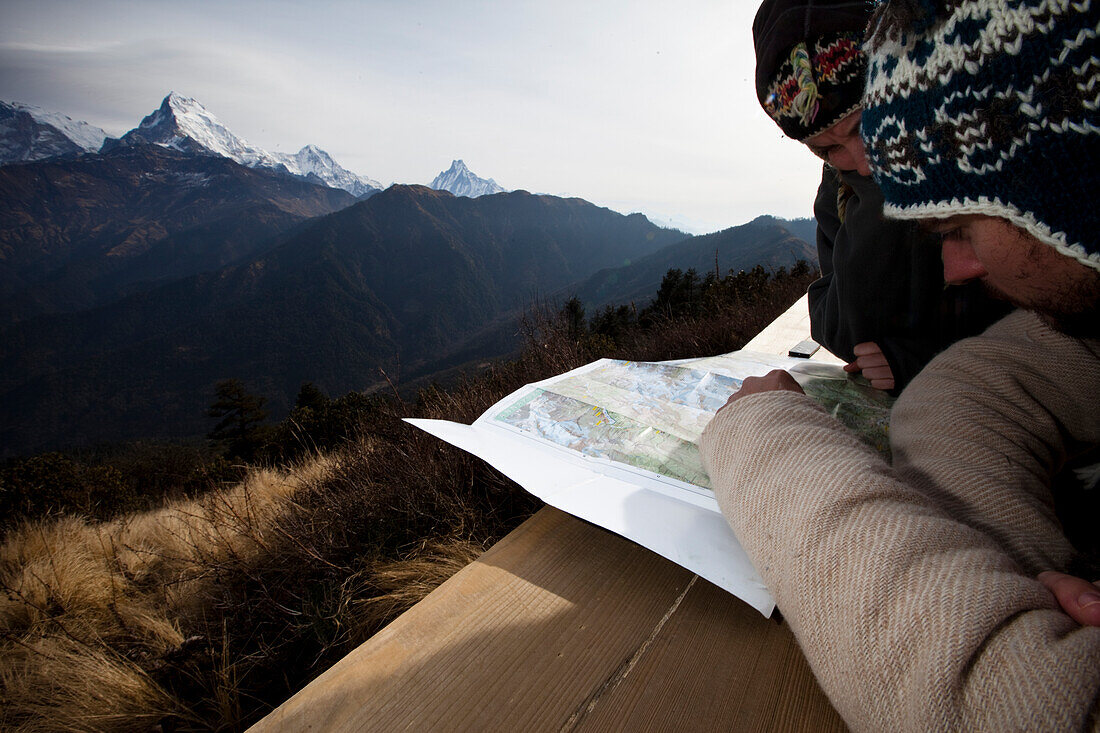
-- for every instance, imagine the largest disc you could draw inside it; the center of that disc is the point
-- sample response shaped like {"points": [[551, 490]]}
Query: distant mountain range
{"points": [[134, 278], [400, 281], [765, 241], [76, 233], [29, 133]]}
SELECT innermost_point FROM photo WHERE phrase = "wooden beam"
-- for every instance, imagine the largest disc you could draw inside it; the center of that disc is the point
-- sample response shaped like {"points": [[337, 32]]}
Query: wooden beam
{"points": [[564, 626]]}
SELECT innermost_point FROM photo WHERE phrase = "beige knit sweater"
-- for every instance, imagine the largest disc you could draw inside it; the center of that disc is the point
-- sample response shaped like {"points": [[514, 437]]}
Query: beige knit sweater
{"points": [[912, 590]]}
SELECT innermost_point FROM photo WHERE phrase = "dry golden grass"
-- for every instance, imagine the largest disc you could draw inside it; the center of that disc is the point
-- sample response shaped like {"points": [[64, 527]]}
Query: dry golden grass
{"points": [[58, 684], [84, 604], [398, 585], [120, 625]]}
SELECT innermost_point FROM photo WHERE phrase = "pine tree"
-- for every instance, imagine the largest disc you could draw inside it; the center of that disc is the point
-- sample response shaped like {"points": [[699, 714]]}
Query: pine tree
{"points": [[241, 416], [311, 397]]}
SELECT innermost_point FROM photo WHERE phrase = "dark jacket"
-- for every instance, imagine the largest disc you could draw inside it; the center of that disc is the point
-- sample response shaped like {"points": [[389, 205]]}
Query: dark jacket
{"points": [[882, 281]]}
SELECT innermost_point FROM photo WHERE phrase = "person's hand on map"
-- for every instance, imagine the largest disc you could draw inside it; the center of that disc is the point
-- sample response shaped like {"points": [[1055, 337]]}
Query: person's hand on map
{"points": [[872, 363], [1079, 598], [774, 381]]}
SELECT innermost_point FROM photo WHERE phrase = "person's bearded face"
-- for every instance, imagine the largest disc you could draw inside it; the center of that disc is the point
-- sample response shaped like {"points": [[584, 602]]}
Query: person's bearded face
{"points": [[1014, 266]]}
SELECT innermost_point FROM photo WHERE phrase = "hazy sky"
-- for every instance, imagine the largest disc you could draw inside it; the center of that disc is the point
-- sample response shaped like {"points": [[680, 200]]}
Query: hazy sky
{"points": [[637, 105]]}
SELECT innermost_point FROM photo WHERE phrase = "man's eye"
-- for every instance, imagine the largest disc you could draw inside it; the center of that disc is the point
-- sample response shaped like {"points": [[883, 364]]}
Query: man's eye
{"points": [[952, 234]]}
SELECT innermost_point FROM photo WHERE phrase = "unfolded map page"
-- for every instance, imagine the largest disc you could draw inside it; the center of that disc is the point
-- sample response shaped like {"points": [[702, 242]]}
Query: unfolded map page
{"points": [[650, 416], [615, 443], [644, 415]]}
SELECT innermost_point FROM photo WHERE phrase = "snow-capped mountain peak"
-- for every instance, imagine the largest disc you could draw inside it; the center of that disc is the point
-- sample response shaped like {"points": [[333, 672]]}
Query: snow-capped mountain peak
{"points": [[311, 161], [183, 123], [30, 133], [461, 181]]}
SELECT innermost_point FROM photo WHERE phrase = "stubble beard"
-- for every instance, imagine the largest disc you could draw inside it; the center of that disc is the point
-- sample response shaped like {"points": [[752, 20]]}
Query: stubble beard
{"points": [[1070, 311]]}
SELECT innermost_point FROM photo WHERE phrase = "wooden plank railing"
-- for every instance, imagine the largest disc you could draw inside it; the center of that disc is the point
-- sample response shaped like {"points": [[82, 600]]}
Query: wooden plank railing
{"points": [[564, 626]]}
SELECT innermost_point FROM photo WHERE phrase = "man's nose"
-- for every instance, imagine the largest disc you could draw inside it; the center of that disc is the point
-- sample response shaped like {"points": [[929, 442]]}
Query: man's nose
{"points": [[960, 264]]}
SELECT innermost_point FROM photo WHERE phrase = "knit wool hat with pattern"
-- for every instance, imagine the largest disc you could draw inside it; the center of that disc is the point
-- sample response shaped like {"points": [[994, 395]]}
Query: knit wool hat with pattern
{"points": [[989, 107], [809, 64]]}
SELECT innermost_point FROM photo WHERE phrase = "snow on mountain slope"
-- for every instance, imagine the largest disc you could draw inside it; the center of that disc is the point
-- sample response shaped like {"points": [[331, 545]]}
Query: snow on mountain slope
{"points": [[312, 161], [185, 124], [459, 180], [30, 133]]}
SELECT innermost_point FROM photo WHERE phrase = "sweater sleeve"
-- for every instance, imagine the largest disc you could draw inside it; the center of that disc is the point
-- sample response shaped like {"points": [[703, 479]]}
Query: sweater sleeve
{"points": [[1021, 403], [910, 619]]}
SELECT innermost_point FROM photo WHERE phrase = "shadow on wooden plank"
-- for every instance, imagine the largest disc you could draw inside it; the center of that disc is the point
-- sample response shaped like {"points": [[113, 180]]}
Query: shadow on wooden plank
{"points": [[565, 626]]}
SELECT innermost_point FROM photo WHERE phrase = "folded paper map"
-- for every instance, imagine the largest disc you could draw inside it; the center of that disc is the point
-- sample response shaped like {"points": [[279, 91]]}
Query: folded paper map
{"points": [[615, 443]]}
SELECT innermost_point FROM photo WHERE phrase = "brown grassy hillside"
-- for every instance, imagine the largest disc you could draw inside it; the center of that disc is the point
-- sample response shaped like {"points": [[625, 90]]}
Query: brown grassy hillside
{"points": [[205, 613]]}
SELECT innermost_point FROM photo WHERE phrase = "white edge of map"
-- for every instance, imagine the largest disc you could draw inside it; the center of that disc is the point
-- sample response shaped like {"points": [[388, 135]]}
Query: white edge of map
{"points": [[694, 537]]}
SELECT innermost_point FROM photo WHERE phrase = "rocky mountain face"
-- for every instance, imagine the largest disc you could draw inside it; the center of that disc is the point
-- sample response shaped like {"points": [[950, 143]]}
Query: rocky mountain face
{"points": [[459, 180], [79, 233], [402, 281], [184, 124], [29, 133]]}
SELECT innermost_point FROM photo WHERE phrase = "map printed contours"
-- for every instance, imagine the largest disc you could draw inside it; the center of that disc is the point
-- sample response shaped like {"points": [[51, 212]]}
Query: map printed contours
{"points": [[644, 415], [650, 416]]}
